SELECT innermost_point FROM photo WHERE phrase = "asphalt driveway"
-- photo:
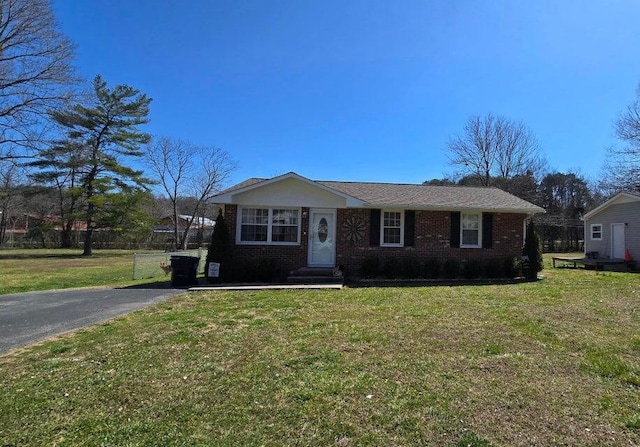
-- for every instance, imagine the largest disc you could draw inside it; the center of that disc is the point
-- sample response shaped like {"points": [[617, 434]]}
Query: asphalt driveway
{"points": [[26, 318]]}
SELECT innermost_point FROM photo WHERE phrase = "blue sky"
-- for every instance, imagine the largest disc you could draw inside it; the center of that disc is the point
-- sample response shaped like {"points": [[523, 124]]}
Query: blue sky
{"points": [[366, 90]]}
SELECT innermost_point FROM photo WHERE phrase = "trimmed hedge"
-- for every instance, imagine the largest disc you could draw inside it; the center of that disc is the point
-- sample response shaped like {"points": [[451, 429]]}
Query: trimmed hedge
{"points": [[412, 267]]}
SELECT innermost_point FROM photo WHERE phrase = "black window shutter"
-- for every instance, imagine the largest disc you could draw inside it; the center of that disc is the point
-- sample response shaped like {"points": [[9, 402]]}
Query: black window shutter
{"points": [[374, 228], [487, 230], [409, 228], [454, 237]]}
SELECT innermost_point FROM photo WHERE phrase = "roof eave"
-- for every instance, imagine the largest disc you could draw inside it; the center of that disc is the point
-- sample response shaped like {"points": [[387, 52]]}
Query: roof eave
{"points": [[610, 202], [535, 210]]}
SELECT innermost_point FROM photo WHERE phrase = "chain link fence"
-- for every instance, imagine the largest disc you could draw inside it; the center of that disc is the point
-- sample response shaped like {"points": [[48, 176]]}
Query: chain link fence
{"points": [[150, 265]]}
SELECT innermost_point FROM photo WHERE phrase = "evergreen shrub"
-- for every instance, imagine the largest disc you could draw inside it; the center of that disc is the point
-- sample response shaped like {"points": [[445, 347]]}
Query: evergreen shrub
{"points": [[432, 268], [411, 267], [472, 268], [392, 268], [451, 268], [220, 251], [370, 267], [533, 250]]}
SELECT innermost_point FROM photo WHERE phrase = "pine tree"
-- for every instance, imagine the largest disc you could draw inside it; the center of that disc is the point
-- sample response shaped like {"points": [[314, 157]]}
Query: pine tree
{"points": [[99, 136], [220, 250], [533, 250]]}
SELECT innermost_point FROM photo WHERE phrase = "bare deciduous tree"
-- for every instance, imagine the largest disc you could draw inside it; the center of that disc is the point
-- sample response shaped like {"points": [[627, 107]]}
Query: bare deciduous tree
{"points": [[9, 173], [186, 170], [622, 170], [494, 147], [627, 125], [35, 71]]}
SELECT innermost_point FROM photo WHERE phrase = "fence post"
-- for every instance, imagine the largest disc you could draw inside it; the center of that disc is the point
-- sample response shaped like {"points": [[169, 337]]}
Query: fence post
{"points": [[134, 267]]}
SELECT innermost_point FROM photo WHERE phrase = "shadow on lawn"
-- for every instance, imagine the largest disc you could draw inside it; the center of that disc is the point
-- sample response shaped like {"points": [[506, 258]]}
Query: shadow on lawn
{"points": [[154, 285], [40, 256], [52, 255]]}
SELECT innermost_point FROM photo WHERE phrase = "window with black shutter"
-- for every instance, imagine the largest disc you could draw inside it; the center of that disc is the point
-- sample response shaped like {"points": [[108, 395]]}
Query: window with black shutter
{"points": [[409, 228], [487, 230], [374, 228]]}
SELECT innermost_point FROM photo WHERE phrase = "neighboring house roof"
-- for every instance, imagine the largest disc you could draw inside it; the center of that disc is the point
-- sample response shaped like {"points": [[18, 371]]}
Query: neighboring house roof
{"points": [[390, 195], [620, 198], [197, 222], [203, 221]]}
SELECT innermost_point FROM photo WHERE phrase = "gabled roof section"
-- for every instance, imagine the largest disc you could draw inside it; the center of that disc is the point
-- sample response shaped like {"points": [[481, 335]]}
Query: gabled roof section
{"points": [[406, 196], [620, 198], [226, 196]]}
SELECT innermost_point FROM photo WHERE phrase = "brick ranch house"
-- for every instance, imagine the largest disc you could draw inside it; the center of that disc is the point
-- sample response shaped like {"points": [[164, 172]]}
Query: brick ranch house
{"points": [[299, 222]]}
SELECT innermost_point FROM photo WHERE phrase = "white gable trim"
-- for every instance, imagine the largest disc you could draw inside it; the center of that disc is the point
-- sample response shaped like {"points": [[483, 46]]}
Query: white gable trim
{"points": [[621, 197], [228, 198]]}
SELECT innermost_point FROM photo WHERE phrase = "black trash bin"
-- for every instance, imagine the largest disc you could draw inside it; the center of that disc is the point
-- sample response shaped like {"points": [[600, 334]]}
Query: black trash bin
{"points": [[184, 270]]}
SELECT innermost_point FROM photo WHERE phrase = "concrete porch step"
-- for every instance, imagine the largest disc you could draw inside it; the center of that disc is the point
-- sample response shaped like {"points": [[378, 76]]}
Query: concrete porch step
{"points": [[314, 279], [315, 275], [315, 271]]}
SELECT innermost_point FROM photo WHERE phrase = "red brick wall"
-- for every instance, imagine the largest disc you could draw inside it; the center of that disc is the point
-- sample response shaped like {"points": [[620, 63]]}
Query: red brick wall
{"points": [[432, 230], [286, 257], [431, 240]]}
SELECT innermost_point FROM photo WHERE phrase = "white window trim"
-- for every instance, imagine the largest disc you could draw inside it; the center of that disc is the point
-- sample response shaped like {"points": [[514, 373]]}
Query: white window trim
{"points": [[479, 244], [269, 225], [382, 243], [601, 232]]}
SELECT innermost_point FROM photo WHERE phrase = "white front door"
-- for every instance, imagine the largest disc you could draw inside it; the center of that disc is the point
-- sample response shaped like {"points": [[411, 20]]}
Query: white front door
{"points": [[617, 241], [322, 238]]}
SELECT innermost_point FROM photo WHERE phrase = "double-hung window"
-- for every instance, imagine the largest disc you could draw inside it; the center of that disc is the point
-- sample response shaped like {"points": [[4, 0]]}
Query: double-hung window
{"points": [[284, 225], [392, 228], [596, 232], [470, 230], [269, 226]]}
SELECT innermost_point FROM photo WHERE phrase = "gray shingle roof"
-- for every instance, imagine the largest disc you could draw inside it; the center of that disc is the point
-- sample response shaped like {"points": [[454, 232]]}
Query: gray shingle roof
{"points": [[390, 195], [433, 197]]}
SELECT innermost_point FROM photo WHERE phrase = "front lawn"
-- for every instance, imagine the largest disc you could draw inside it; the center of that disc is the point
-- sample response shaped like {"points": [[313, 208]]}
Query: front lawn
{"points": [[556, 362], [45, 269]]}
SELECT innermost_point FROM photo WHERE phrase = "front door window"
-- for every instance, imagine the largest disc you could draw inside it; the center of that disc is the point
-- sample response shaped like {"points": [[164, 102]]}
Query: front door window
{"points": [[322, 249], [323, 230]]}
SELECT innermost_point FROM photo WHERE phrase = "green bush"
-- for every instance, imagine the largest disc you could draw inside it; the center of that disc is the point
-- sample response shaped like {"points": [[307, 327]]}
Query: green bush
{"points": [[241, 271], [220, 250], [392, 268], [263, 269], [411, 267], [510, 267], [370, 267], [267, 269], [432, 268], [451, 268], [533, 250], [494, 268], [472, 268]]}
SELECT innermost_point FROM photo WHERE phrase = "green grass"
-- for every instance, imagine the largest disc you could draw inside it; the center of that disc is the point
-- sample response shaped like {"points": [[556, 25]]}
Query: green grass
{"points": [[30, 270], [545, 363]]}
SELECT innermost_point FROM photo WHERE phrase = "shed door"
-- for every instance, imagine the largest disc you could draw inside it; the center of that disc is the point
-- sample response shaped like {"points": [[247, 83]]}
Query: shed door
{"points": [[617, 241], [322, 236]]}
